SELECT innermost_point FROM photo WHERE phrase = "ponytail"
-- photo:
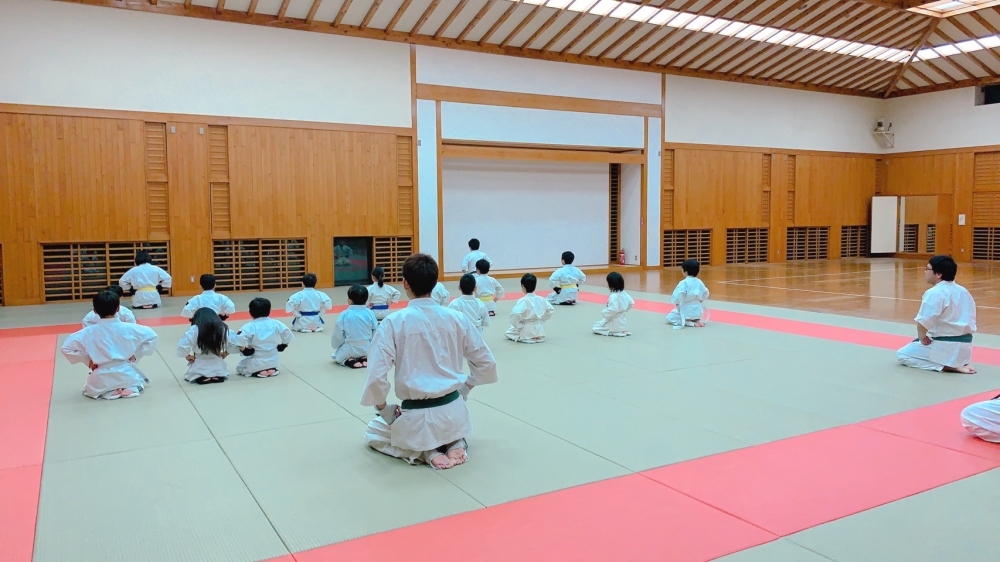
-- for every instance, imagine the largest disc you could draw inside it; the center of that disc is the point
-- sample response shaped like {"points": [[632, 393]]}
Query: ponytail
{"points": [[379, 275]]}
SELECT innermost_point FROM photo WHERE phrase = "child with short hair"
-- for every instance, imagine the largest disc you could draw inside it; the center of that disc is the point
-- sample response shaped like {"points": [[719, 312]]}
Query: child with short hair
{"points": [[260, 342], [308, 305], [488, 289], [528, 314], [354, 330], [687, 298], [380, 295], [111, 349], [619, 302], [469, 305], [205, 345], [145, 281], [124, 314], [469, 263], [566, 281], [221, 304], [440, 295]]}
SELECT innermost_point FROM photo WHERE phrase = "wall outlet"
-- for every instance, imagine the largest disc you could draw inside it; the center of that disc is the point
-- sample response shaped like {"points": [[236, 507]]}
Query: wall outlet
{"points": [[192, 278], [201, 130], [173, 129], [961, 220]]}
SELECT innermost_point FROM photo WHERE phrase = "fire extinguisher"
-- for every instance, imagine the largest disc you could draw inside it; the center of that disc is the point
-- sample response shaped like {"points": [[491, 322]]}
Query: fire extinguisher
{"points": [[621, 257]]}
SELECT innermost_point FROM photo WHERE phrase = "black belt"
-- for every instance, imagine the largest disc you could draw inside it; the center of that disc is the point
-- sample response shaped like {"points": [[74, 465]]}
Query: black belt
{"points": [[430, 402], [965, 338]]}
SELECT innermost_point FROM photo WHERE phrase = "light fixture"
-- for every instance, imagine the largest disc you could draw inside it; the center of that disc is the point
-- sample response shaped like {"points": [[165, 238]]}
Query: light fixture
{"points": [[662, 17]]}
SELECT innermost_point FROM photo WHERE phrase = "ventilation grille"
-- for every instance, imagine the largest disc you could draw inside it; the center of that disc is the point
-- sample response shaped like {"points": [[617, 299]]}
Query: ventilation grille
{"points": [[614, 202], [157, 208], [910, 238], [766, 173], [73, 272], [765, 207], [854, 241], [807, 242], [259, 264], [404, 183], [668, 169], [218, 157], [987, 172], [881, 176], [667, 191], [986, 243], [222, 223], [680, 245], [746, 245], [390, 253], [931, 238], [986, 208], [790, 198]]}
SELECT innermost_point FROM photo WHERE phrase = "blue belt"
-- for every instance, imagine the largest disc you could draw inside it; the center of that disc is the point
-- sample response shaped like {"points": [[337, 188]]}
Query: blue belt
{"points": [[314, 313], [380, 307]]}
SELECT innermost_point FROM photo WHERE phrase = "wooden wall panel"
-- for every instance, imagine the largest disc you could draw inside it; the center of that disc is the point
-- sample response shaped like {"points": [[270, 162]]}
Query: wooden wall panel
{"points": [[833, 191], [188, 168]]}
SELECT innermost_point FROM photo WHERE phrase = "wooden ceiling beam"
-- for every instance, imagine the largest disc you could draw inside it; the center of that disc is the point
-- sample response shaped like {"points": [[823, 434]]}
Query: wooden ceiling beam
{"points": [[399, 13], [341, 13], [284, 8], [878, 81], [251, 9], [566, 28], [502, 20], [705, 37], [907, 82], [846, 71], [672, 31], [187, 3], [913, 53], [968, 33], [640, 26], [949, 86], [937, 70], [371, 13], [610, 30], [312, 11], [586, 32], [913, 68], [424, 17], [479, 17], [641, 33], [971, 56], [220, 7], [524, 22], [451, 17], [983, 22], [544, 27]]}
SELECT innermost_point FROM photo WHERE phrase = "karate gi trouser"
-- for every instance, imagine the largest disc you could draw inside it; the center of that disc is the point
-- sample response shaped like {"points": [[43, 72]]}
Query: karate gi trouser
{"points": [[983, 420], [936, 356]]}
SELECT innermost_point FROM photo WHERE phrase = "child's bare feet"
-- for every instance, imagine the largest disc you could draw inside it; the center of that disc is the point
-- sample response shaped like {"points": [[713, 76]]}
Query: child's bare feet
{"points": [[442, 462], [699, 324], [458, 456], [267, 373], [965, 369]]}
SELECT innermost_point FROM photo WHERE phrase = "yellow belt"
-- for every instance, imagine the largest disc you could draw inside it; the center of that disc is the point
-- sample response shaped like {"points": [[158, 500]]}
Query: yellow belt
{"points": [[145, 289], [487, 298], [573, 286]]}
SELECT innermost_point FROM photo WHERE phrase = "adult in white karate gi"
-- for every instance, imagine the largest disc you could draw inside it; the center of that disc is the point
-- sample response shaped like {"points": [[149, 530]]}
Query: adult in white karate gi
{"points": [[111, 349], [354, 330], [945, 323], [308, 306], [474, 255], [688, 296], [613, 322], [144, 278], [528, 314], [469, 305], [565, 281], [982, 419], [260, 341], [221, 304], [205, 345], [425, 343]]}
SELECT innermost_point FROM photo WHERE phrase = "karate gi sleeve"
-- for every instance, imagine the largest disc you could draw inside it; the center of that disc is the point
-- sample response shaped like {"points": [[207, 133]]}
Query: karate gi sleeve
{"points": [[583, 278], [704, 293], [678, 295], [232, 342], [89, 319], [465, 264], [612, 310], [292, 304], [515, 315], [126, 315], [395, 294], [74, 349], [338, 338], [188, 343], [498, 289], [286, 335], [484, 313], [147, 341], [126, 281], [931, 306], [245, 336], [188, 310], [549, 309], [327, 303], [554, 280], [381, 358], [228, 306], [164, 280], [482, 365]]}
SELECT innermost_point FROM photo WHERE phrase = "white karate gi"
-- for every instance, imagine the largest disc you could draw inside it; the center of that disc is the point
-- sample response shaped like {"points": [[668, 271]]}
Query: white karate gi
{"points": [[353, 332], [568, 278], [308, 300], [221, 304], [486, 288], [947, 309], [381, 296], [205, 364], [983, 420], [144, 279], [473, 309], [110, 344], [687, 297], [426, 343], [440, 295], [264, 335], [526, 319], [614, 323], [469, 262], [124, 314]]}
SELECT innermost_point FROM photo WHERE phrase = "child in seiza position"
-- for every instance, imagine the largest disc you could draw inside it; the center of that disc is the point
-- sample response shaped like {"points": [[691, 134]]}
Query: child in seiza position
{"points": [[145, 281], [260, 341], [982, 419], [124, 314], [528, 314], [426, 343], [488, 289], [111, 349], [566, 281], [205, 345], [687, 298], [354, 330], [469, 305], [308, 305], [440, 295], [380, 295], [473, 257], [221, 304], [619, 302]]}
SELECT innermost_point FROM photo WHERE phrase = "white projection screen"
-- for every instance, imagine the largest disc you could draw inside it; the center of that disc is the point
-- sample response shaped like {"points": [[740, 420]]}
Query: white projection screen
{"points": [[884, 224], [526, 214]]}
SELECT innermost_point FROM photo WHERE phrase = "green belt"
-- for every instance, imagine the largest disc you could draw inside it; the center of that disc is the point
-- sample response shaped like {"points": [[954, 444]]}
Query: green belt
{"points": [[430, 402], [964, 338]]}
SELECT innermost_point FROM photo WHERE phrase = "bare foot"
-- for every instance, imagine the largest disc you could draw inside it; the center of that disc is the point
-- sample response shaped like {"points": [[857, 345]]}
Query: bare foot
{"points": [[359, 365], [458, 456], [966, 369], [267, 373], [122, 393], [442, 462], [699, 324]]}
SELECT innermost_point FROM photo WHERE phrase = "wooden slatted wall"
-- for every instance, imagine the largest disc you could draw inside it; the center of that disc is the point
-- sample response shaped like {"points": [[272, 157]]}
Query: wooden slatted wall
{"points": [[404, 184], [218, 161], [667, 190], [790, 186], [1, 275], [854, 241], [259, 264], [931, 239], [881, 176], [765, 182], [78, 271], [746, 245], [679, 245], [910, 234], [614, 212], [156, 181], [390, 253], [986, 206], [807, 243]]}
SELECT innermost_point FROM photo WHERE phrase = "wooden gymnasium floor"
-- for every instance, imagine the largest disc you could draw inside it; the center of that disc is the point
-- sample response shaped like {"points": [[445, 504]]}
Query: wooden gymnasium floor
{"points": [[782, 432]]}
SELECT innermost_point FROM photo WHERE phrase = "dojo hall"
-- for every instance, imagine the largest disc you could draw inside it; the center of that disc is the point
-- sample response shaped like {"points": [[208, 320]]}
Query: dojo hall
{"points": [[499, 280]]}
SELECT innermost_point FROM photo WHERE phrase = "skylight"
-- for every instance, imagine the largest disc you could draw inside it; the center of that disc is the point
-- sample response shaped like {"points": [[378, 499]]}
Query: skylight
{"points": [[948, 8]]}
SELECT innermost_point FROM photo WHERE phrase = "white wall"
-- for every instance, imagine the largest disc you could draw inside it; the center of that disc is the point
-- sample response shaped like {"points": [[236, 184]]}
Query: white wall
{"points": [[539, 126], [654, 237], [948, 119], [427, 177], [526, 214], [631, 212], [60, 54], [715, 112]]}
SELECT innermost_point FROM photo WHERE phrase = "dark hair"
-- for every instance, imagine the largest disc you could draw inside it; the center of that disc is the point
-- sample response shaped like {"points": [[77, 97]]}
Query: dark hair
{"points": [[529, 282], [474, 244], [116, 289], [212, 331], [945, 266], [483, 266], [467, 284], [260, 308], [309, 280], [378, 274], [141, 257], [568, 257], [106, 304], [421, 274], [357, 294], [616, 282], [691, 267], [207, 282]]}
